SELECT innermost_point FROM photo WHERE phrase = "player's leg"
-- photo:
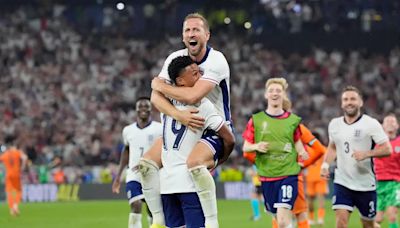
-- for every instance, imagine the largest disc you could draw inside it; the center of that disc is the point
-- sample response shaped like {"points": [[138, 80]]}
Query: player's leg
{"points": [[342, 218], [192, 210], [381, 204], [321, 191], [149, 166], [201, 158], [343, 204], [172, 206], [18, 194], [10, 195], [135, 196], [255, 204], [288, 192], [392, 216], [394, 203], [366, 204], [300, 205], [311, 198]]}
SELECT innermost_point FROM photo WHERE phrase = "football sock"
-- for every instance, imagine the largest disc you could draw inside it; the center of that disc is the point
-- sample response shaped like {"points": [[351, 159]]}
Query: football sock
{"points": [[255, 206], [135, 220], [151, 189], [205, 188]]}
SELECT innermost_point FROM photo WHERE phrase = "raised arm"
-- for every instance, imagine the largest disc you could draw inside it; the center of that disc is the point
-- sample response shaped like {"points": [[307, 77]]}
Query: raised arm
{"points": [[229, 142], [186, 117], [187, 95]]}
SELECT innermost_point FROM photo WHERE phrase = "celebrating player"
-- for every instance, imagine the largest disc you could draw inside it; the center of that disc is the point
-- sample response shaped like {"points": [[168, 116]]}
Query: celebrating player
{"points": [[214, 84], [351, 138], [274, 135], [137, 138], [178, 186], [387, 172]]}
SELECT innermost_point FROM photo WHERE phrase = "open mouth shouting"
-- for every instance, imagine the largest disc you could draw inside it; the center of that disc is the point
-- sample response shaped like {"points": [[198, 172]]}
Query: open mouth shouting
{"points": [[193, 43]]}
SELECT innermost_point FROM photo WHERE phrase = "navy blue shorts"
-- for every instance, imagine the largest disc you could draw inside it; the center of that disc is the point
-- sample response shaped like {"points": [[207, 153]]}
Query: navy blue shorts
{"points": [[280, 193], [182, 209], [344, 198], [214, 142], [134, 191]]}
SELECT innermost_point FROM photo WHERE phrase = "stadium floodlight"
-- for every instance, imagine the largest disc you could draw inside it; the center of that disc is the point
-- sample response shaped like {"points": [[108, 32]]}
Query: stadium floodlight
{"points": [[120, 6], [247, 25], [227, 20]]}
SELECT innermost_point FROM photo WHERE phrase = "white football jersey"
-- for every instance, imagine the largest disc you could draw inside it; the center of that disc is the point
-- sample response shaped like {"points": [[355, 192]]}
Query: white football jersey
{"points": [[139, 141], [361, 136], [179, 141], [213, 68]]}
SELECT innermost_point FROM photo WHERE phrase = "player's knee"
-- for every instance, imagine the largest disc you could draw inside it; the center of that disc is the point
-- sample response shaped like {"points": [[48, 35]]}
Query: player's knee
{"points": [[379, 218], [285, 224], [194, 161], [154, 156], [136, 207], [146, 165], [341, 222]]}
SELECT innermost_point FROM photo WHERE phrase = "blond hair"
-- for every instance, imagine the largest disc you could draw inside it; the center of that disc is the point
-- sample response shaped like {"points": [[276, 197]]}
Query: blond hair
{"points": [[198, 16], [286, 103]]}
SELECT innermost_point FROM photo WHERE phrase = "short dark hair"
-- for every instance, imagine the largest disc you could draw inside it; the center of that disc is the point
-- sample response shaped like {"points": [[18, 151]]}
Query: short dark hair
{"points": [[142, 98], [352, 88], [177, 65]]}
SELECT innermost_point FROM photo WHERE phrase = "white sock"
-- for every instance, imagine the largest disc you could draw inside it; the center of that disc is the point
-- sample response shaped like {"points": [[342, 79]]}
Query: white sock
{"points": [[151, 189], [205, 187], [135, 220]]}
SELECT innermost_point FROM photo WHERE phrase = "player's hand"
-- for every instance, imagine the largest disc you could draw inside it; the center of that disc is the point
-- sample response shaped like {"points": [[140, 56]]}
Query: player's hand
{"points": [[157, 83], [359, 156], [189, 119], [304, 155], [325, 173], [116, 185], [261, 147]]}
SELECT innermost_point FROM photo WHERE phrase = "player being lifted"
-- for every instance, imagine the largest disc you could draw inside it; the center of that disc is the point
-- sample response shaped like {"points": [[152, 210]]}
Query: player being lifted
{"points": [[137, 138], [214, 84], [180, 202]]}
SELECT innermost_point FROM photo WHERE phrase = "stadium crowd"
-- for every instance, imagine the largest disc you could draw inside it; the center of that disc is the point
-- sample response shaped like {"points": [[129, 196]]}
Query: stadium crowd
{"points": [[66, 94]]}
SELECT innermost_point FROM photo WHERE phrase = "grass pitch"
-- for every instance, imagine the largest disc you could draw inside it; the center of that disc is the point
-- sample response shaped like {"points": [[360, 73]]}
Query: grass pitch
{"points": [[114, 214]]}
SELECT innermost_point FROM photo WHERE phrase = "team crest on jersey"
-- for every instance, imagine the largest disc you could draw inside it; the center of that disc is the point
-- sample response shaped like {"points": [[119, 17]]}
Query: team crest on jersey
{"points": [[150, 138], [357, 133], [264, 128], [397, 149]]}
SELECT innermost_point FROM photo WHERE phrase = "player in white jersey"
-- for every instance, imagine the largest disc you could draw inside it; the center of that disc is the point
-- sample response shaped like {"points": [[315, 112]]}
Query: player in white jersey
{"points": [[180, 201], [137, 138], [351, 142], [214, 84]]}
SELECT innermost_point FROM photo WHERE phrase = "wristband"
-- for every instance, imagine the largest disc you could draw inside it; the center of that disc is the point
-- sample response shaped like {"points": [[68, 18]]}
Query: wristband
{"points": [[325, 165]]}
